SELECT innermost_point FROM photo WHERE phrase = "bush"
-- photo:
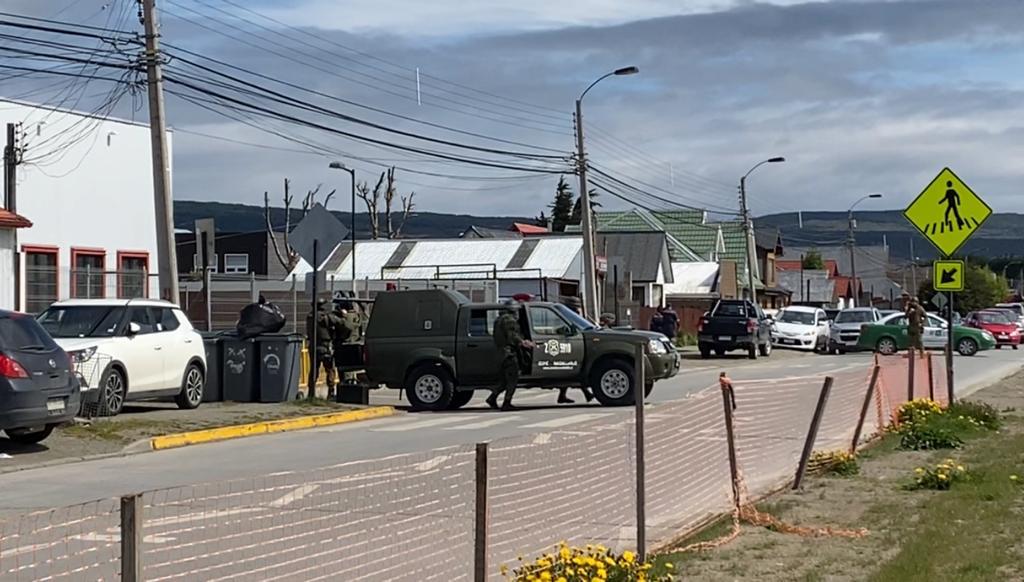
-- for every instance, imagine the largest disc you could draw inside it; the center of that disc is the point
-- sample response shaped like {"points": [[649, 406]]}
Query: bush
{"points": [[590, 564], [983, 415], [940, 478], [686, 339], [938, 431], [838, 463], [917, 410]]}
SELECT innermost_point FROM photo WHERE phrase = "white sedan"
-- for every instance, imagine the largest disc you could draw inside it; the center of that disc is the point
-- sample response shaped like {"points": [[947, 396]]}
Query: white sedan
{"points": [[802, 328]]}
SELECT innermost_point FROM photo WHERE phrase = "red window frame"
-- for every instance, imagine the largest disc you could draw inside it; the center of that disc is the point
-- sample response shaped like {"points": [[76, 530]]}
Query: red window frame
{"points": [[88, 252], [121, 255], [43, 250]]}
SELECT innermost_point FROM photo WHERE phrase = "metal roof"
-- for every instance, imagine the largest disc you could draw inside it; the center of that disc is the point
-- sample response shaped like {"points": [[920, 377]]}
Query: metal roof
{"points": [[692, 279], [644, 254]]}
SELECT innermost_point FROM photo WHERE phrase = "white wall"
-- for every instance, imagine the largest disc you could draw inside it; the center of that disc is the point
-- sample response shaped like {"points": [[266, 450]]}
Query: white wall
{"points": [[98, 194], [6, 268]]}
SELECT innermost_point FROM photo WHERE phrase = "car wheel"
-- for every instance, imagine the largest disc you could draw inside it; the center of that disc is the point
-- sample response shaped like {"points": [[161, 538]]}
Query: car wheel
{"points": [[430, 387], [648, 388], [460, 399], [612, 382], [752, 352], [30, 438], [967, 347], [766, 349], [886, 346], [192, 385], [113, 390], [719, 352], [705, 351], [1015, 346], [999, 346]]}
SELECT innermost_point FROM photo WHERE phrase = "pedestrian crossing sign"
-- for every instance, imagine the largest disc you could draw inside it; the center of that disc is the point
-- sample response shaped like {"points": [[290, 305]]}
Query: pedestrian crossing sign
{"points": [[947, 212]]}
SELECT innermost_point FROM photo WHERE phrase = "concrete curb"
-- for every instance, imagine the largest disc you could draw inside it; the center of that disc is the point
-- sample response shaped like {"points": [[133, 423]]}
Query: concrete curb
{"points": [[210, 435]]}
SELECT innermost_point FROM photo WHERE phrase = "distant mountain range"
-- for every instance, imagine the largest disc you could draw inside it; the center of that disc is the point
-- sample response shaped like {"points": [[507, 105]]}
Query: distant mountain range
{"points": [[1000, 236]]}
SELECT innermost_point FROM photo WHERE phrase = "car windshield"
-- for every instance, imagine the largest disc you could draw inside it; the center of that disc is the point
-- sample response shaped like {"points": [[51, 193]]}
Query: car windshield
{"points": [[993, 317], [855, 317], [1018, 309], [82, 320], [574, 318], [798, 317], [22, 333]]}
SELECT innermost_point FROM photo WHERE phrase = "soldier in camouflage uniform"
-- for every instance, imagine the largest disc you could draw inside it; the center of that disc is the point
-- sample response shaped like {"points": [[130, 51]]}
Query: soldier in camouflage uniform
{"points": [[915, 324], [348, 331], [325, 324], [509, 340]]}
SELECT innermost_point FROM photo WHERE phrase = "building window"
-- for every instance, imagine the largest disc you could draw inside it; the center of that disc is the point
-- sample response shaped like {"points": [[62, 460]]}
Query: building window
{"points": [[638, 294], [132, 275], [87, 267], [237, 264], [41, 278], [658, 299], [197, 267]]}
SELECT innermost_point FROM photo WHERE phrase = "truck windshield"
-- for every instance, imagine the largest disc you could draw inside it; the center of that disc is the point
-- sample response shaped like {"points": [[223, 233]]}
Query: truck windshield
{"points": [[574, 318]]}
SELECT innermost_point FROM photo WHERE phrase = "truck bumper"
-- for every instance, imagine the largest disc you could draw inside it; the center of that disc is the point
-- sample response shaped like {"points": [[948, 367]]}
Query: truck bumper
{"points": [[728, 343], [663, 366]]}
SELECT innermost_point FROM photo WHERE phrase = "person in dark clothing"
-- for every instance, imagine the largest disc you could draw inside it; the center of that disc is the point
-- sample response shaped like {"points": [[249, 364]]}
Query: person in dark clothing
{"points": [[574, 304], [508, 337], [669, 323], [325, 324], [657, 322]]}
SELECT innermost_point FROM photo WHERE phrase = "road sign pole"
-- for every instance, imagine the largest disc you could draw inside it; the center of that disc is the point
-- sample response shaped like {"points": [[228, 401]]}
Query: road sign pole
{"points": [[950, 392], [315, 372]]}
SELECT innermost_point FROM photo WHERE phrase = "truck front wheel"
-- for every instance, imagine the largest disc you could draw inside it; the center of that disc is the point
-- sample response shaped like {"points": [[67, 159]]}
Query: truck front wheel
{"points": [[612, 382], [430, 387]]}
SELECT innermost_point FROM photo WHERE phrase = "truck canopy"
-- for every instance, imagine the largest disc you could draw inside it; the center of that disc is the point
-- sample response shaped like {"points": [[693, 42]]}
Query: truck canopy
{"points": [[419, 313]]}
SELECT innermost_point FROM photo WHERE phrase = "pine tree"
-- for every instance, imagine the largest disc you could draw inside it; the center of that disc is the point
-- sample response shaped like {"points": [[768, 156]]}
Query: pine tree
{"points": [[561, 208], [576, 216]]}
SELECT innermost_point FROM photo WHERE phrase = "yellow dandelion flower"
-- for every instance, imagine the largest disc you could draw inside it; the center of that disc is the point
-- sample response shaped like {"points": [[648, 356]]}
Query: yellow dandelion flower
{"points": [[919, 470], [602, 573], [545, 576], [628, 556], [942, 477], [960, 468], [669, 566], [562, 579], [1013, 477]]}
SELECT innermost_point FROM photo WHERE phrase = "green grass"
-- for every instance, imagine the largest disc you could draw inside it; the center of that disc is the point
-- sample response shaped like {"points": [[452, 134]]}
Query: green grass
{"points": [[108, 430]]}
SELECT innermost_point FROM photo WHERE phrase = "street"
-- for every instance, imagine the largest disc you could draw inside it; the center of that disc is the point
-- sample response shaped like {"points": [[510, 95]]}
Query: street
{"points": [[416, 432]]}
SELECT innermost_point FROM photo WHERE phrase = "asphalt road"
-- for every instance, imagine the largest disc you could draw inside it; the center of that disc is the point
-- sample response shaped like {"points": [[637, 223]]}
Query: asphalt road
{"points": [[332, 446]]}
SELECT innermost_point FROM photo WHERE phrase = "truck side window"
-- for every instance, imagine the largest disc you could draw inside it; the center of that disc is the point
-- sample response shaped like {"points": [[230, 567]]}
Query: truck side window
{"points": [[545, 321], [481, 322]]}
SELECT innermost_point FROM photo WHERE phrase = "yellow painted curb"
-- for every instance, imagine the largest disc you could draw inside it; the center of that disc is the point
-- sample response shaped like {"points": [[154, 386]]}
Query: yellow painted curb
{"points": [[224, 433]]}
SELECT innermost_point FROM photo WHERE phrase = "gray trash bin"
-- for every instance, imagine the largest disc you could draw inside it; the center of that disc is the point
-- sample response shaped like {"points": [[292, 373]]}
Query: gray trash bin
{"points": [[213, 390], [278, 366], [241, 369]]}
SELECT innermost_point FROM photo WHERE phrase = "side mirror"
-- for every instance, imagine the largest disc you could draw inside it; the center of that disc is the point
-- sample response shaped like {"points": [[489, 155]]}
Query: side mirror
{"points": [[134, 328]]}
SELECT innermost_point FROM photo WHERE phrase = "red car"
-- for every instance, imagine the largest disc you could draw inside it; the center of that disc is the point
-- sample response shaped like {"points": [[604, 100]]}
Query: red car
{"points": [[996, 323]]}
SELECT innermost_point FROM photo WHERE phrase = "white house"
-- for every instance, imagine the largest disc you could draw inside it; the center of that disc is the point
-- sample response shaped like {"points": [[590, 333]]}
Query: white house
{"points": [[86, 185]]}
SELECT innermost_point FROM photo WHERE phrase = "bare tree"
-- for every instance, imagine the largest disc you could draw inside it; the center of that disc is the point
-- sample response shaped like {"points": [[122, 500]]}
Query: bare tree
{"points": [[407, 206], [285, 254], [372, 200], [382, 221]]}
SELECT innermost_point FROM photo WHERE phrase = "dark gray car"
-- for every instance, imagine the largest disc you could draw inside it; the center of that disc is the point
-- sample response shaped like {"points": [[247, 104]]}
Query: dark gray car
{"points": [[38, 388]]}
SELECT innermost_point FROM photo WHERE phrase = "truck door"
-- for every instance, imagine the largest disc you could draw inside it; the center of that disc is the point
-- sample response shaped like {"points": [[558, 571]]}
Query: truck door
{"points": [[558, 349], [478, 360]]}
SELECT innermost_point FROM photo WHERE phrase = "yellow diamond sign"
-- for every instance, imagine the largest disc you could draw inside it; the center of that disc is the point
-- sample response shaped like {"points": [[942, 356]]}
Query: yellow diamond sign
{"points": [[947, 212]]}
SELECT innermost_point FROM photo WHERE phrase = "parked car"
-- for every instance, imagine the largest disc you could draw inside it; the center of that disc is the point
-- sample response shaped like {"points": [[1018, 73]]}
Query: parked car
{"points": [[844, 332], [802, 328], [734, 324], [997, 323], [38, 388], [129, 349], [889, 336], [1016, 308], [831, 313], [887, 312], [439, 348], [1011, 314]]}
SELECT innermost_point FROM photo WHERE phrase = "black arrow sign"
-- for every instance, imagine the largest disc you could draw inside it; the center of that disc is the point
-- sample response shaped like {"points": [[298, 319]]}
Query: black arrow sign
{"points": [[948, 276]]}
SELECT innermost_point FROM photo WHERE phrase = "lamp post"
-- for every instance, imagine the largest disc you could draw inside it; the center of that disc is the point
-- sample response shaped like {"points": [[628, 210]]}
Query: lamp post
{"points": [[587, 224], [748, 225], [852, 224], [352, 219]]}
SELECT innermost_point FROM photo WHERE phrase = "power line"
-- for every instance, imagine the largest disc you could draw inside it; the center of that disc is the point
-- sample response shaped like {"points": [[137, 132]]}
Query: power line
{"points": [[622, 183]]}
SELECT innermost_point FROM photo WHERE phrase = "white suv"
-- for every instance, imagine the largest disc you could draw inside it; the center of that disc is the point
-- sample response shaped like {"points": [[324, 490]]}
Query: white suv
{"points": [[129, 349]]}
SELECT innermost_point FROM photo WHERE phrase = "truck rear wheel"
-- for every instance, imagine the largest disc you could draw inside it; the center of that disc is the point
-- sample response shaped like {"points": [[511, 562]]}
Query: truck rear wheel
{"points": [[613, 382], [460, 399], [430, 387]]}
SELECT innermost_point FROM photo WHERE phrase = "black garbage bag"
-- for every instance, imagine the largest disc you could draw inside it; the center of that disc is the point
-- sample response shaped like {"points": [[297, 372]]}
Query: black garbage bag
{"points": [[258, 318]]}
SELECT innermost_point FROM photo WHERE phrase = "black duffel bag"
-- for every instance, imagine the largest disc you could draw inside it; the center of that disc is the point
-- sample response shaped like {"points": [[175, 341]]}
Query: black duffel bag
{"points": [[258, 318]]}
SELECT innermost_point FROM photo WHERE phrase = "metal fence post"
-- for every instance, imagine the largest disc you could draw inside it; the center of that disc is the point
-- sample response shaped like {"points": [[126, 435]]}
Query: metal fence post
{"points": [[911, 364], [639, 389], [812, 433], [131, 538], [864, 409], [481, 510], [729, 405], [931, 378], [295, 304]]}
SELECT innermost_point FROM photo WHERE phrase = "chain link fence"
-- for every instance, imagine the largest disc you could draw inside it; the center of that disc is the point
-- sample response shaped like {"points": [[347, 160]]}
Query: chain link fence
{"points": [[447, 514]]}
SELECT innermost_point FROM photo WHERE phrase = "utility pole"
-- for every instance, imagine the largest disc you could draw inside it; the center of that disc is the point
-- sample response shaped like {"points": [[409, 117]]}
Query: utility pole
{"points": [[913, 267], [586, 223], [851, 241], [748, 226], [12, 157], [167, 261]]}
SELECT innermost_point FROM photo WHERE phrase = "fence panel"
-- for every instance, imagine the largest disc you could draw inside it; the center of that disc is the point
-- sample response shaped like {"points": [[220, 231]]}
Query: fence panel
{"points": [[842, 411]]}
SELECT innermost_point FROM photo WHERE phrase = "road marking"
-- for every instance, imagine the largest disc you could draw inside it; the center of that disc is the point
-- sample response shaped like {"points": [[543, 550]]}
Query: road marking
{"points": [[415, 425], [567, 420], [542, 439], [432, 463], [497, 419], [116, 538], [295, 495], [23, 550]]}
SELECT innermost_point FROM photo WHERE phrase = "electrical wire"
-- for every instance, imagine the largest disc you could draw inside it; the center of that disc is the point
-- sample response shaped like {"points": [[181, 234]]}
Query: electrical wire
{"points": [[698, 206]]}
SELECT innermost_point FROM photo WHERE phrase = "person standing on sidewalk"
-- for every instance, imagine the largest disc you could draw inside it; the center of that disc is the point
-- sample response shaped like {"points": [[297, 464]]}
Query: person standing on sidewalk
{"points": [[325, 325], [915, 324], [576, 306], [508, 338]]}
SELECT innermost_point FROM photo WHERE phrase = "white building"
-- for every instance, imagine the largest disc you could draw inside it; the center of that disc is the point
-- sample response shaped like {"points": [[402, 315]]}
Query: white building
{"points": [[86, 185]]}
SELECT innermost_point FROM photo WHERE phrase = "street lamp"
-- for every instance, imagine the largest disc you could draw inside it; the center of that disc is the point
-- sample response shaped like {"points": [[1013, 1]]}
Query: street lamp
{"points": [[587, 224], [748, 224], [352, 218], [851, 223]]}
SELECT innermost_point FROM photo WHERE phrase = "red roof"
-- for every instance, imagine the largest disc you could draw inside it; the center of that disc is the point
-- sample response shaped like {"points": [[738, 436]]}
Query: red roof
{"points": [[9, 219], [527, 228], [844, 286]]}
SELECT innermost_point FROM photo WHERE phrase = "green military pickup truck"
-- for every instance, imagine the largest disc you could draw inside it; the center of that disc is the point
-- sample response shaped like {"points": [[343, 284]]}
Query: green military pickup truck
{"points": [[437, 346]]}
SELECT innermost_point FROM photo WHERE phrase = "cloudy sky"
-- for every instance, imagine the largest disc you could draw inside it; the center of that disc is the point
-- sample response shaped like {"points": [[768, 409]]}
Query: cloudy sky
{"points": [[859, 96]]}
